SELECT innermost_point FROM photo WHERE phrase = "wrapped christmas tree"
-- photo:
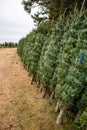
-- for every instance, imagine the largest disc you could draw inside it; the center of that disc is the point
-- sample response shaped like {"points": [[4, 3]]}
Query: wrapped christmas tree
{"points": [[72, 84]]}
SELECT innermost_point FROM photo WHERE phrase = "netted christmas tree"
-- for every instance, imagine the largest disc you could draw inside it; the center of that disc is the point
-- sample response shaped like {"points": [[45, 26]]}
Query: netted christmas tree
{"points": [[72, 84], [62, 61], [41, 62], [35, 55], [20, 46], [28, 48], [48, 59]]}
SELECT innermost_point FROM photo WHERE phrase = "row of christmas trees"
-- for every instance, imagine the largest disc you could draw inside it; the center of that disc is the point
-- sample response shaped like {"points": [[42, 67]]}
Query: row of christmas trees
{"points": [[56, 57]]}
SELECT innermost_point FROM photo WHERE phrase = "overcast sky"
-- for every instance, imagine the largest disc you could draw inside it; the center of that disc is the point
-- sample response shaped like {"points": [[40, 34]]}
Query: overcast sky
{"points": [[15, 23]]}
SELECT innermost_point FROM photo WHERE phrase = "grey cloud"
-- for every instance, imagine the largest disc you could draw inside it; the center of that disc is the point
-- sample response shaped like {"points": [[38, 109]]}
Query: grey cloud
{"points": [[15, 23]]}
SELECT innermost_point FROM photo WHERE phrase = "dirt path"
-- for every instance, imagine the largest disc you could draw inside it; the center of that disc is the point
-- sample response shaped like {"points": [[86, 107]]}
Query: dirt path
{"points": [[21, 105]]}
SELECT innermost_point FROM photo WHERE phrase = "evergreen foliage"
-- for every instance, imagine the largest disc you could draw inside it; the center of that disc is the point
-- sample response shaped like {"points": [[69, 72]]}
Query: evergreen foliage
{"points": [[83, 119], [51, 9], [55, 55]]}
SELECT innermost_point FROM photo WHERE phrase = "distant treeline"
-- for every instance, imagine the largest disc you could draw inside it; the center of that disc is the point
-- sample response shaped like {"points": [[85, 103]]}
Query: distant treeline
{"points": [[8, 44]]}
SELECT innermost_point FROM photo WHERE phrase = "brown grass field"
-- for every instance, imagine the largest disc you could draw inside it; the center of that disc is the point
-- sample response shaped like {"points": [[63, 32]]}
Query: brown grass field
{"points": [[21, 105]]}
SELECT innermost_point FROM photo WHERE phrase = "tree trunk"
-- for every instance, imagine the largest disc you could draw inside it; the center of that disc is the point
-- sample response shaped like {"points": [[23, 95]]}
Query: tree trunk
{"points": [[58, 105], [29, 74], [33, 79], [52, 95], [40, 89], [27, 67], [60, 116], [38, 84], [78, 114], [24, 66], [43, 93], [56, 97]]}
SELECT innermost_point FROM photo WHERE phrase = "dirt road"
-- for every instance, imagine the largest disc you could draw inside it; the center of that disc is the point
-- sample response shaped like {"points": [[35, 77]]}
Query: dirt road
{"points": [[21, 105]]}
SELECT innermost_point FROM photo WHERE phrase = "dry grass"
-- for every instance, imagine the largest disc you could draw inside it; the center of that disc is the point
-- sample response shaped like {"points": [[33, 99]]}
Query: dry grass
{"points": [[21, 105]]}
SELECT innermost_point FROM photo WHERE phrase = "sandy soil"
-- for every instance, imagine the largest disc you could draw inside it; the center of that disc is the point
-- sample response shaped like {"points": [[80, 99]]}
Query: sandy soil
{"points": [[21, 105]]}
